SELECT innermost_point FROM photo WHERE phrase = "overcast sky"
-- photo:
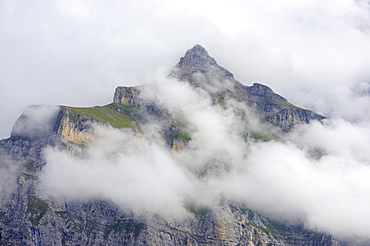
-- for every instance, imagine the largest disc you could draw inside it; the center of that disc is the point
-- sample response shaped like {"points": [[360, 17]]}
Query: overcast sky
{"points": [[75, 52]]}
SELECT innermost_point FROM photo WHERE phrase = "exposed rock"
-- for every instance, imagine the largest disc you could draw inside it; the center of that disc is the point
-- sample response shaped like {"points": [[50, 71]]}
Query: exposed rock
{"points": [[127, 96], [178, 144], [200, 69], [288, 118], [260, 90], [75, 128]]}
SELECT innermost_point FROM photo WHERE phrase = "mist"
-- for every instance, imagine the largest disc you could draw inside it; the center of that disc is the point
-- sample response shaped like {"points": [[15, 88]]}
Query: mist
{"points": [[36, 121], [8, 174], [134, 173], [316, 175]]}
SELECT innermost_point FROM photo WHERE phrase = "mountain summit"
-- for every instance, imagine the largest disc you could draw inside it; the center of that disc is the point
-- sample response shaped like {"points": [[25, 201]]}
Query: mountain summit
{"points": [[197, 62], [199, 69], [196, 56]]}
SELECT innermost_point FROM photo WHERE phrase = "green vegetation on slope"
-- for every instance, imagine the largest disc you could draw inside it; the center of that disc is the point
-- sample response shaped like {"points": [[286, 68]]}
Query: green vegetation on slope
{"points": [[183, 136], [198, 210], [36, 209], [117, 115], [264, 230]]}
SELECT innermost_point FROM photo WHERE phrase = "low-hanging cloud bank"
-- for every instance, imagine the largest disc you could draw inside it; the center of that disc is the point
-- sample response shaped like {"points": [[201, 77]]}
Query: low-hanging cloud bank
{"points": [[317, 175], [133, 172]]}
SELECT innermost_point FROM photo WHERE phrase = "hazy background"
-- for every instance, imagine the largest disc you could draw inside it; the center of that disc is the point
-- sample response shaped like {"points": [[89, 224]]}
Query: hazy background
{"points": [[315, 53]]}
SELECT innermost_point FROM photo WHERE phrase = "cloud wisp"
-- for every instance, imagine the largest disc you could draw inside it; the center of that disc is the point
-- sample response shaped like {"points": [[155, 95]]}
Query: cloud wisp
{"points": [[8, 174]]}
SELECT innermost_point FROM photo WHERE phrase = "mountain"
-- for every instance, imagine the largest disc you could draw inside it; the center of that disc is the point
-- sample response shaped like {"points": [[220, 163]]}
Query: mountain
{"points": [[29, 217], [201, 70]]}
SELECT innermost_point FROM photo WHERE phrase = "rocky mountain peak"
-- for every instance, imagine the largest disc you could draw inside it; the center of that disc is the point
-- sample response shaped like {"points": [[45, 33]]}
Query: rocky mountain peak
{"points": [[196, 57], [198, 61], [201, 70]]}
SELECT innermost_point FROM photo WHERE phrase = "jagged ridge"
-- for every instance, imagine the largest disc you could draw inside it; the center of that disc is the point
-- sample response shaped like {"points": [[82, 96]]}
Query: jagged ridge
{"points": [[201, 70]]}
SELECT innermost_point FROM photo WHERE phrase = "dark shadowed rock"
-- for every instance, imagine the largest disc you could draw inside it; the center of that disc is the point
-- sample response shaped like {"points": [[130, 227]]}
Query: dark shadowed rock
{"points": [[288, 118]]}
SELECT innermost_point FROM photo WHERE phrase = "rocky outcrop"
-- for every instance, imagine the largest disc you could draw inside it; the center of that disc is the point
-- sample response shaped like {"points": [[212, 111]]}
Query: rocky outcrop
{"points": [[127, 96], [288, 118], [75, 128], [259, 90], [277, 110]]}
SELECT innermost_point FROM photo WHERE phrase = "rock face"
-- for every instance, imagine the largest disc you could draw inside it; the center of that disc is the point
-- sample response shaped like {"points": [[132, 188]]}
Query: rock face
{"points": [[75, 128], [288, 118], [201, 70], [127, 96], [28, 218]]}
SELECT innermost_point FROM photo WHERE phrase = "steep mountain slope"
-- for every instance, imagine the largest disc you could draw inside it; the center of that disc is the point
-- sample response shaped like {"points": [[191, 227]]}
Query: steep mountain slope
{"points": [[29, 217]]}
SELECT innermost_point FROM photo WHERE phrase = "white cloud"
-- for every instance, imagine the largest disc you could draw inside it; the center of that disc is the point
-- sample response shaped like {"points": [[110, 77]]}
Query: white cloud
{"points": [[281, 181], [133, 172], [36, 121], [8, 174]]}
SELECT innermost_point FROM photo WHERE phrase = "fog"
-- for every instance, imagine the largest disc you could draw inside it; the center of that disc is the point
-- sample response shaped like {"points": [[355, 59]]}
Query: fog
{"points": [[36, 121], [8, 181], [316, 175], [134, 173]]}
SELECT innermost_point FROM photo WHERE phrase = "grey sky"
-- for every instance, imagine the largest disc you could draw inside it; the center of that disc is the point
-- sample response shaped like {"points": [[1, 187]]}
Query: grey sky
{"points": [[315, 53]]}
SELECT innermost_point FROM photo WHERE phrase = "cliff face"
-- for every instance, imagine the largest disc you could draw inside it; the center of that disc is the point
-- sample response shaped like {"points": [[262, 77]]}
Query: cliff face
{"points": [[127, 96], [27, 217], [75, 128]]}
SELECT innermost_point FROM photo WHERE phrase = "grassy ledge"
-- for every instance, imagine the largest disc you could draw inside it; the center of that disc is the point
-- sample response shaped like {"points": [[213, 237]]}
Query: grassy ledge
{"points": [[117, 115]]}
